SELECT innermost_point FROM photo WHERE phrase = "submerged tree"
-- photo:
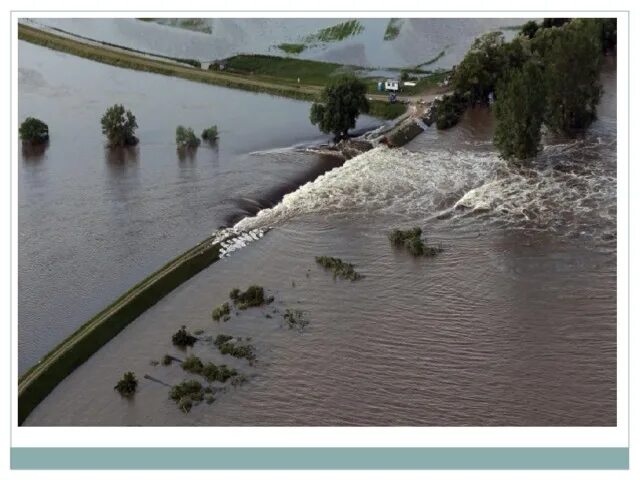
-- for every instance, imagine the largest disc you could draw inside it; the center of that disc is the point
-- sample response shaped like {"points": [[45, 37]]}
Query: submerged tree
{"points": [[119, 126], [572, 71], [341, 102], [33, 131], [519, 112]]}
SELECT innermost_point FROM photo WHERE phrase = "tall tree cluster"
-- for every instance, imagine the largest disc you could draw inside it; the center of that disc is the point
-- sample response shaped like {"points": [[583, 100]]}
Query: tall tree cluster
{"points": [[546, 76]]}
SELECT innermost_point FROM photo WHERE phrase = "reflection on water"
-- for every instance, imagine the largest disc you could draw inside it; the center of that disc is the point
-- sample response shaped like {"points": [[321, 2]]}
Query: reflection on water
{"points": [[34, 152]]}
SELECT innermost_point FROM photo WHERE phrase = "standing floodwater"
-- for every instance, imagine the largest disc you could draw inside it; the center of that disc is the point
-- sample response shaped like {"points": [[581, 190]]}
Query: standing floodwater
{"points": [[94, 222], [514, 323]]}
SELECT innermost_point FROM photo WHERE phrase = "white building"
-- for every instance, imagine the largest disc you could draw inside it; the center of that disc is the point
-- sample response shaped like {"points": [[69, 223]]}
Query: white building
{"points": [[391, 85]]}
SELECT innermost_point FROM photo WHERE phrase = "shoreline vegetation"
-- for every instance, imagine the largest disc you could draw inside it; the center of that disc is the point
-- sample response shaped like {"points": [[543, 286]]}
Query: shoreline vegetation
{"points": [[254, 73]]}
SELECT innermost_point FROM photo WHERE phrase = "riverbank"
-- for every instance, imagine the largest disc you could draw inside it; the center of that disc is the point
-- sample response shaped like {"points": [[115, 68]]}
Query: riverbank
{"points": [[115, 56]]}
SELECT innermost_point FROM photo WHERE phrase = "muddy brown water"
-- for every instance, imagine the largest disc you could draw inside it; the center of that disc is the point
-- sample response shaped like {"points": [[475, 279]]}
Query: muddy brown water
{"points": [[94, 222], [513, 324]]}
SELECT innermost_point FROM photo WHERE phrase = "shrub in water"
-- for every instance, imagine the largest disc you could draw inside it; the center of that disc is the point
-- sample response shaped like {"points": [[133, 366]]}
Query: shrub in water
{"points": [[182, 338], [411, 241], [252, 297], [33, 131], [119, 125], [235, 349], [186, 138], [210, 134], [221, 312], [192, 364], [186, 394], [219, 373], [127, 385], [339, 268]]}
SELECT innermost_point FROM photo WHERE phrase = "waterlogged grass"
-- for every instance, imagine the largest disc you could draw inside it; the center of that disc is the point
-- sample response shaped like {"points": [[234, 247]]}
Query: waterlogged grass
{"points": [[336, 33], [292, 48], [411, 241], [221, 312], [339, 268], [393, 29]]}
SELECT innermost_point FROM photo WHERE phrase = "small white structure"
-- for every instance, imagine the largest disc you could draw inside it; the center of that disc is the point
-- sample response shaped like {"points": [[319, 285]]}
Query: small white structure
{"points": [[410, 84], [391, 86]]}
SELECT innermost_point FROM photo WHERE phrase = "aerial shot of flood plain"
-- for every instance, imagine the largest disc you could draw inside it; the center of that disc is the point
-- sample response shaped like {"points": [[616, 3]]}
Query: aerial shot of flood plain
{"points": [[317, 222]]}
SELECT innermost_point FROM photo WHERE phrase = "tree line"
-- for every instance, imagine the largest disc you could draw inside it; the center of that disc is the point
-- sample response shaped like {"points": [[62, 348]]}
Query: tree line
{"points": [[548, 75], [118, 126]]}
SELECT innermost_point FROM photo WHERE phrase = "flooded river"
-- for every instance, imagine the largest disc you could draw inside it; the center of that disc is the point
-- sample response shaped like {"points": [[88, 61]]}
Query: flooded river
{"points": [[93, 223], [514, 323]]}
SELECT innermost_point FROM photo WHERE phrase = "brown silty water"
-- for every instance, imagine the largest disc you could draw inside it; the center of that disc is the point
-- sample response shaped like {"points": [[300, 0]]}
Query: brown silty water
{"points": [[514, 323]]}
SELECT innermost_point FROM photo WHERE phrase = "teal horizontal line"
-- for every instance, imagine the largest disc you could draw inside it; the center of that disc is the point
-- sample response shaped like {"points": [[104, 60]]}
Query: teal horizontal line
{"points": [[320, 458]]}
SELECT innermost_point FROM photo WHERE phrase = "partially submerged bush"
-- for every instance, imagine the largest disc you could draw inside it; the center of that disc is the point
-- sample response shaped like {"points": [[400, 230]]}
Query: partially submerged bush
{"points": [[221, 312], [210, 134], [167, 360], [182, 338], [192, 364], [411, 241], [33, 131], [227, 346], [339, 268], [252, 297], [218, 373], [127, 385], [295, 319], [186, 138], [222, 338], [119, 126], [186, 394]]}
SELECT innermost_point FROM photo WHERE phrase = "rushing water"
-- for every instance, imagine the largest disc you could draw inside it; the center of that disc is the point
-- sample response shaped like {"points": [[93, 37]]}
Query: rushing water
{"points": [[94, 222], [420, 39], [513, 324]]}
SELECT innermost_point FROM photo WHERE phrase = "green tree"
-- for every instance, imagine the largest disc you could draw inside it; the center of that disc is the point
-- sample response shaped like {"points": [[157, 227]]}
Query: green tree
{"points": [[572, 71], [119, 126], [33, 131], [341, 102], [529, 29], [480, 69], [519, 112], [210, 134], [127, 385], [186, 138]]}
